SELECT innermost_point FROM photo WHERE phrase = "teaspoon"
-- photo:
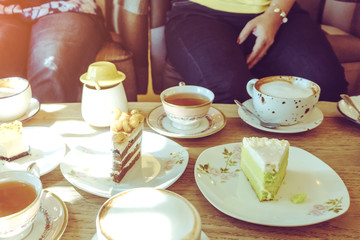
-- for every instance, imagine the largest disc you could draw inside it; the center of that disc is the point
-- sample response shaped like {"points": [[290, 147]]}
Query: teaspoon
{"points": [[262, 123], [348, 100]]}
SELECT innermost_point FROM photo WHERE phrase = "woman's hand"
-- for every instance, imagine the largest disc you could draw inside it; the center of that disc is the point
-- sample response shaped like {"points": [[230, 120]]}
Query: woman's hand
{"points": [[264, 27]]}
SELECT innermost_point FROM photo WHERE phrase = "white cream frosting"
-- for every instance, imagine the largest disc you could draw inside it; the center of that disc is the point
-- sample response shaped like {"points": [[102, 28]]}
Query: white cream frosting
{"points": [[267, 153]]}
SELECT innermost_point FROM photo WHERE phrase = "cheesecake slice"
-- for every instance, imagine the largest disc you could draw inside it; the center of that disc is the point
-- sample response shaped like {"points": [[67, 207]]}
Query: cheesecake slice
{"points": [[264, 162], [12, 146]]}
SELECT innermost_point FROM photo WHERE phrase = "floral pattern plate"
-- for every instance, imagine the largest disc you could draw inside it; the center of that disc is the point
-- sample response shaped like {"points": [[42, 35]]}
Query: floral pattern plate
{"points": [[213, 122], [312, 121], [88, 168], [220, 179], [47, 150], [51, 221]]}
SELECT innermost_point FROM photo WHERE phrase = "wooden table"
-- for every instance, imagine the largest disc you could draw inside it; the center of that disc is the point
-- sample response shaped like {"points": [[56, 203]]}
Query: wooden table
{"points": [[336, 142]]}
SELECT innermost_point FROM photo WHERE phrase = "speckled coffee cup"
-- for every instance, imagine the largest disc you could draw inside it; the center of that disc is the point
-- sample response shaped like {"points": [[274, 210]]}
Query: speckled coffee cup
{"points": [[283, 99]]}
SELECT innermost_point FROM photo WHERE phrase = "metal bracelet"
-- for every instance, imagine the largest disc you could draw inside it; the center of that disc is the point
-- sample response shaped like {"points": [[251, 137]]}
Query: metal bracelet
{"points": [[277, 9]]}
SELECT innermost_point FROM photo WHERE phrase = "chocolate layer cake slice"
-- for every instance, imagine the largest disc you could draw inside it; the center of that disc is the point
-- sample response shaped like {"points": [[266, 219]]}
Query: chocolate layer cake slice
{"points": [[127, 129]]}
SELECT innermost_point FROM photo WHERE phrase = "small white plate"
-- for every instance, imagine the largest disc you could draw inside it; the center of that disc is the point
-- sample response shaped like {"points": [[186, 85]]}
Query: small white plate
{"points": [[46, 149], [212, 123], [220, 179], [88, 168], [51, 221], [311, 122], [348, 111], [33, 109]]}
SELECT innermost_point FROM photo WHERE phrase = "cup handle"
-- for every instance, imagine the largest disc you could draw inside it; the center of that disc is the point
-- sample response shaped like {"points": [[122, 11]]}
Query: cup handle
{"points": [[250, 86], [34, 169]]}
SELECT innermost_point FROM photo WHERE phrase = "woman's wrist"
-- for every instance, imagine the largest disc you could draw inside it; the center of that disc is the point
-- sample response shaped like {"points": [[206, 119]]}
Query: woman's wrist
{"points": [[276, 9]]}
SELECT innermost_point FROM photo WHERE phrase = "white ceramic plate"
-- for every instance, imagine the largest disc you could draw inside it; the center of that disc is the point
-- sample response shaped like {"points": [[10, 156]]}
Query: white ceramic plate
{"points": [[311, 122], [220, 179], [33, 109], [212, 123], [348, 111], [46, 149], [51, 221], [88, 168]]}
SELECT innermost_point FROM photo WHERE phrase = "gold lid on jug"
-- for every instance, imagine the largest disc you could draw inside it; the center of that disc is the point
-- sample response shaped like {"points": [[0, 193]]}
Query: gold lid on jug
{"points": [[102, 74]]}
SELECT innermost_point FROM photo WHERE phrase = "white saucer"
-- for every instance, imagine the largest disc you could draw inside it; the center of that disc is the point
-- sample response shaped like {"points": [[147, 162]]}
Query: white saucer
{"points": [[212, 123], [33, 109], [46, 149], [88, 166], [221, 180], [348, 111], [202, 237], [51, 221], [311, 122]]}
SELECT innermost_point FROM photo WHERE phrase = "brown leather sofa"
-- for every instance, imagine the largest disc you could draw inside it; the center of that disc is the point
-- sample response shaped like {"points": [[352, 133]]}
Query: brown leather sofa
{"points": [[127, 22], [339, 19]]}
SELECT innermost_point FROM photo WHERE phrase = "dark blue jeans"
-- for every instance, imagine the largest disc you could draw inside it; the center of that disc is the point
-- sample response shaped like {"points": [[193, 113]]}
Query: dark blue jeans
{"points": [[201, 45], [51, 52]]}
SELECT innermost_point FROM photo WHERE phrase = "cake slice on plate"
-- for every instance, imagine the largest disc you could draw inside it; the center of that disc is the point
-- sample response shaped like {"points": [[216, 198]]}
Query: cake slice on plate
{"points": [[12, 146], [126, 135], [264, 162]]}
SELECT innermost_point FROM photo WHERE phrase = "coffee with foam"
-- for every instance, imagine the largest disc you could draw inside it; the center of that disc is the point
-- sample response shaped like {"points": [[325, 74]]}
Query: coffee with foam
{"points": [[285, 89], [5, 92], [283, 99]]}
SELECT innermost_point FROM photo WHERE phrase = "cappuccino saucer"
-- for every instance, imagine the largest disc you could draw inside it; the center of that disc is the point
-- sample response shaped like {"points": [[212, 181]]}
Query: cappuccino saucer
{"points": [[312, 121], [33, 109], [213, 122]]}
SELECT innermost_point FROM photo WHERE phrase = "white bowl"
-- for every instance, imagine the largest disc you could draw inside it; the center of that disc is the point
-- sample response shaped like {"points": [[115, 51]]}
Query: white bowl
{"points": [[148, 213], [15, 96]]}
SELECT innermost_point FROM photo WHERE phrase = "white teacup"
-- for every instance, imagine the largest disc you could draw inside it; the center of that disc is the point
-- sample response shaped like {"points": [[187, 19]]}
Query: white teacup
{"points": [[102, 92], [148, 213], [186, 105], [283, 99], [17, 225], [15, 96]]}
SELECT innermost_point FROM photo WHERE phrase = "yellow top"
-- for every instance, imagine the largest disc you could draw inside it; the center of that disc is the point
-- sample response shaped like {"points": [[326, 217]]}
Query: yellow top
{"points": [[236, 6]]}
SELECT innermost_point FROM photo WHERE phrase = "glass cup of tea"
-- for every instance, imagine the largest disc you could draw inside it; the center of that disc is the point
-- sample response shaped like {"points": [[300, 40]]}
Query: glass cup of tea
{"points": [[186, 105], [20, 198]]}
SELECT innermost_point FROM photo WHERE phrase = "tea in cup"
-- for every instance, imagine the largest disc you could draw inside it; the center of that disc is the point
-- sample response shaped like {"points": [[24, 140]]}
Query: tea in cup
{"points": [[15, 97], [148, 213], [102, 92], [283, 99], [20, 195], [186, 105]]}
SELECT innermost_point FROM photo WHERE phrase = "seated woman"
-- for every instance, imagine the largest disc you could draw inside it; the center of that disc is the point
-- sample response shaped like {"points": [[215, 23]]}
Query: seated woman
{"points": [[222, 44], [51, 43]]}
